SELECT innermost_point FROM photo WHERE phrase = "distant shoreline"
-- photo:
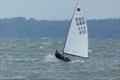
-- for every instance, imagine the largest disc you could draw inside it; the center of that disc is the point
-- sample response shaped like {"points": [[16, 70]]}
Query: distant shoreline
{"points": [[20, 27]]}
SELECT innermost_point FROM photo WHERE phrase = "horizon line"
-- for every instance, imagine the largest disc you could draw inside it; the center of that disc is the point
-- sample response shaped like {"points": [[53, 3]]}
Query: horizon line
{"points": [[55, 19]]}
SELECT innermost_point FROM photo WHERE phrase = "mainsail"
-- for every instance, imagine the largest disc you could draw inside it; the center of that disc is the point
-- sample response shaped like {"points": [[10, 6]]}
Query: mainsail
{"points": [[77, 39]]}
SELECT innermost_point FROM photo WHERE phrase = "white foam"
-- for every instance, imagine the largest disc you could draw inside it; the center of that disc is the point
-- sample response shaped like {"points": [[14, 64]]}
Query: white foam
{"points": [[80, 61], [60, 42], [46, 43], [14, 59], [89, 51], [50, 58], [117, 50], [41, 47], [44, 38]]}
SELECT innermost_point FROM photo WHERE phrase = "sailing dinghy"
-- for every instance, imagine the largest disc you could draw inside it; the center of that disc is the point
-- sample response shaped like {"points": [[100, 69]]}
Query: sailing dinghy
{"points": [[76, 42]]}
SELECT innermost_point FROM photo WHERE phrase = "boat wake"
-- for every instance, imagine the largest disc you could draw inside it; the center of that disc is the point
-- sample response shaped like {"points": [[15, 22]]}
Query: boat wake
{"points": [[77, 61], [50, 58]]}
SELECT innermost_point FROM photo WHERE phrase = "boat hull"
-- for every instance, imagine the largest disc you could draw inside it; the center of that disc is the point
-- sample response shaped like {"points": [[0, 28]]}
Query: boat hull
{"points": [[63, 58]]}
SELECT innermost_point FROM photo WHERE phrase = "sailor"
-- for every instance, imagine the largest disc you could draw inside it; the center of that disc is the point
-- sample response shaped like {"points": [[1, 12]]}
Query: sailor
{"points": [[58, 55]]}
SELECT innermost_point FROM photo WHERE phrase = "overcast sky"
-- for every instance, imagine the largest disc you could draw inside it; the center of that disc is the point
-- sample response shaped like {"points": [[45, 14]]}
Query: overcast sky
{"points": [[59, 9]]}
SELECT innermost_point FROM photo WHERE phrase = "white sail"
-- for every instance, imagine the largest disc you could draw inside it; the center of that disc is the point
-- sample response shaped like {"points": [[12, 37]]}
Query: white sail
{"points": [[77, 38]]}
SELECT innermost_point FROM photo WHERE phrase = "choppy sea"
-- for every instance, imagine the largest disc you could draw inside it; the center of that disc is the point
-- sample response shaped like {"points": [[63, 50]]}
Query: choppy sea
{"points": [[33, 59]]}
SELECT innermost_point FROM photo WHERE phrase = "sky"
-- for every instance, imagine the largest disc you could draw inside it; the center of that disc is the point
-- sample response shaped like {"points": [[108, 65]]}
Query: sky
{"points": [[59, 9]]}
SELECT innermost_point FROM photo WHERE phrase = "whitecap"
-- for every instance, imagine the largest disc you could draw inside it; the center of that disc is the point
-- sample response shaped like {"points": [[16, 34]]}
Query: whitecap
{"points": [[22, 59], [117, 50], [89, 51], [44, 38], [46, 43], [41, 47], [60, 42]]}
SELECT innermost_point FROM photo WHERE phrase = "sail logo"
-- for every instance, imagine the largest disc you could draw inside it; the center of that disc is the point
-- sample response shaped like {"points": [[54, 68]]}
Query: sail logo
{"points": [[78, 9]]}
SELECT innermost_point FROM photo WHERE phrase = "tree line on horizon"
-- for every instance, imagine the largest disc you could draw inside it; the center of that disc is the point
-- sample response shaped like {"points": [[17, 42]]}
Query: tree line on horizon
{"points": [[20, 27]]}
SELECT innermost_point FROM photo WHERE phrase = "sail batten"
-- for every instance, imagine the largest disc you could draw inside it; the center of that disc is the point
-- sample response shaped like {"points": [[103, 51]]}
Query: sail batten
{"points": [[77, 38]]}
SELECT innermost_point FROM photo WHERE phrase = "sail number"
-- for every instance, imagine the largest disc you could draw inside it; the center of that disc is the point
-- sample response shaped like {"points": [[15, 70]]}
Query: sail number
{"points": [[82, 30], [80, 23]]}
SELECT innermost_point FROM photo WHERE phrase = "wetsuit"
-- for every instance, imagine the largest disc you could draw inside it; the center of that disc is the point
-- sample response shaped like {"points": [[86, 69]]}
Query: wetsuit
{"points": [[59, 56]]}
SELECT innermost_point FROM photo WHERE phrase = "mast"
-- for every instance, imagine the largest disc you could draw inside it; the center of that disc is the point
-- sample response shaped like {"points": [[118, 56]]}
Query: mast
{"points": [[69, 27]]}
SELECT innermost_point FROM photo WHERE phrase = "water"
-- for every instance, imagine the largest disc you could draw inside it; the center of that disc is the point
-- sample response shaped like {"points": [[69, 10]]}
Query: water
{"points": [[33, 59]]}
